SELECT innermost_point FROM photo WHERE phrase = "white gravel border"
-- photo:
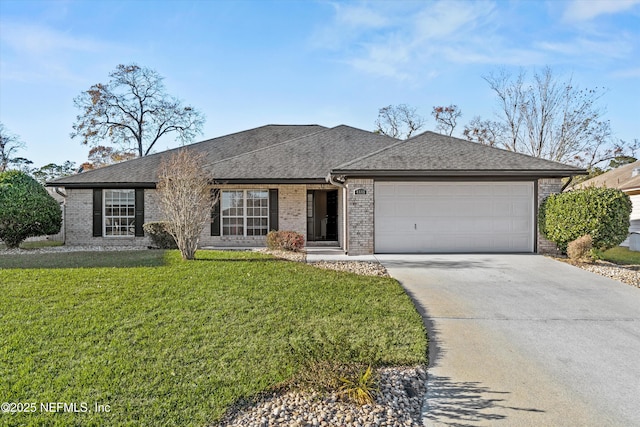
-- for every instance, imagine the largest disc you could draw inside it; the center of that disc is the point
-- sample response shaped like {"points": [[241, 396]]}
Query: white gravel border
{"points": [[398, 403]]}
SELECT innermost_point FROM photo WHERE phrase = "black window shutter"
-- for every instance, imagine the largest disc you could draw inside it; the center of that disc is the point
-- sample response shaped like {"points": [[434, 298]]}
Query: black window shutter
{"points": [[215, 213], [273, 209], [97, 212], [139, 222]]}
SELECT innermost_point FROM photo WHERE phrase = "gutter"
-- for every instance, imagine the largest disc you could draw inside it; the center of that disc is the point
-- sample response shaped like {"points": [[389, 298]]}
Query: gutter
{"points": [[458, 173]]}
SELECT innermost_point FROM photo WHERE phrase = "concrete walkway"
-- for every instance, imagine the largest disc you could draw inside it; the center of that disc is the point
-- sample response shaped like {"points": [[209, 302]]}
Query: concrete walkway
{"points": [[523, 340]]}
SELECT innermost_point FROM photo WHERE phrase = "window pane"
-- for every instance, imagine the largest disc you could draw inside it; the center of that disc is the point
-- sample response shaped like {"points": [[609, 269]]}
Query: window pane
{"points": [[119, 212], [238, 221]]}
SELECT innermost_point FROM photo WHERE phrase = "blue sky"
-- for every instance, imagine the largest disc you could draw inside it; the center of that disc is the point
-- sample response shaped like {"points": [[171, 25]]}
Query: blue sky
{"points": [[249, 63]]}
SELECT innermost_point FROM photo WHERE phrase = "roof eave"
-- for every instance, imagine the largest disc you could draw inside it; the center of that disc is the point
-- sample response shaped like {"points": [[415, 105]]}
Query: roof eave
{"points": [[220, 181], [263, 181], [459, 173], [101, 184]]}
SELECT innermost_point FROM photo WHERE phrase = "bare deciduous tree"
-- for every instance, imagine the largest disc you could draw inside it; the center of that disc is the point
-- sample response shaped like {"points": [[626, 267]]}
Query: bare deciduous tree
{"points": [[186, 199], [485, 132], [100, 156], [134, 111], [553, 119], [398, 121], [10, 144], [446, 118]]}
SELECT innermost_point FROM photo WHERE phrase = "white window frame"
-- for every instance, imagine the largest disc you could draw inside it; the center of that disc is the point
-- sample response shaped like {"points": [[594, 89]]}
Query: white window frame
{"points": [[131, 229], [248, 214]]}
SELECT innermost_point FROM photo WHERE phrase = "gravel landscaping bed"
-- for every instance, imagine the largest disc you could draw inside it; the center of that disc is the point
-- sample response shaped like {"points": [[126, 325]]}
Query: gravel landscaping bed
{"points": [[359, 267], [626, 274], [364, 268], [399, 403]]}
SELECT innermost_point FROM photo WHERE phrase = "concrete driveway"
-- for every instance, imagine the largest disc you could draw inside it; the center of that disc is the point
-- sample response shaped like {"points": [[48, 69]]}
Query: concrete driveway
{"points": [[523, 340]]}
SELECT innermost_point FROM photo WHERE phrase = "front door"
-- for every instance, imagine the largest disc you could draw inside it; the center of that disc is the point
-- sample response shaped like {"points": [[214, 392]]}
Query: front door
{"points": [[322, 215]]}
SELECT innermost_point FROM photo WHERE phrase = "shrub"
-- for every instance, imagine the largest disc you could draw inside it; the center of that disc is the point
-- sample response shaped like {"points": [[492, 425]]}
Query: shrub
{"points": [[603, 213], [285, 240], [159, 234], [360, 389], [26, 209], [580, 249]]}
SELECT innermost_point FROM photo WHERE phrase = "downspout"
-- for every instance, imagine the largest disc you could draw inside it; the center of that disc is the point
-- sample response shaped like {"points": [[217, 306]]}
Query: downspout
{"points": [[342, 186], [567, 183], [57, 190]]}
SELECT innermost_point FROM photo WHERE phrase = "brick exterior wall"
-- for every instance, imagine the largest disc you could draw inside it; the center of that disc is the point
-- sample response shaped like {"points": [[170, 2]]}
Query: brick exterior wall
{"points": [[360, 217], [546, 187], [79, 220], [292, 215]]}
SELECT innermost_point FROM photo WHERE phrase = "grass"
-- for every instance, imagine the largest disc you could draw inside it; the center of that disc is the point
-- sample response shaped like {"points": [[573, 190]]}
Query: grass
{"points": [[177, 343], [621, 255], [35, 245], [115, 259]]}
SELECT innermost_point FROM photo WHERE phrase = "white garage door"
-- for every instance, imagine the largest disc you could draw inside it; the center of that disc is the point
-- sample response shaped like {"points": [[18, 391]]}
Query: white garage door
{"points": [[454, 217]]}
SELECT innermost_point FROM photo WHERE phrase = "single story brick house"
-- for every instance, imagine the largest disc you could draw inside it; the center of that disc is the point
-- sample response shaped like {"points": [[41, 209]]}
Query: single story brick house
{"points": [[364, 192]]}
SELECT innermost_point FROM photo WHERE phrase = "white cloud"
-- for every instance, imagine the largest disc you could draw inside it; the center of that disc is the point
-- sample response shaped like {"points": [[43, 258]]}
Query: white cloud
{"points": [[627, 73], [449, 19], [359, 16], [585, 10], [617, 48], [39, 52], [39, 40], [406, 41], [399, 42]]}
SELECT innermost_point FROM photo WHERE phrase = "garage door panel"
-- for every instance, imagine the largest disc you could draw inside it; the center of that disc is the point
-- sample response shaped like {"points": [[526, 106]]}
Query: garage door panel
{"points": [[454, 217]]}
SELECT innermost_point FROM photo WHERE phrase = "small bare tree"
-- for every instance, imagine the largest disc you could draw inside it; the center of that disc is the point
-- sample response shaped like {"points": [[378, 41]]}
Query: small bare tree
{"points": [[485, 132], [446, 118], [398, 121], [9, 145], [185, 198]]}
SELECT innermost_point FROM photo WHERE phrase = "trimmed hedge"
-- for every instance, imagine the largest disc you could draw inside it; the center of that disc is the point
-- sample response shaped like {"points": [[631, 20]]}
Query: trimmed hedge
{"points": [[26, 209], [285, 240], [160, 237], [602, 213]]}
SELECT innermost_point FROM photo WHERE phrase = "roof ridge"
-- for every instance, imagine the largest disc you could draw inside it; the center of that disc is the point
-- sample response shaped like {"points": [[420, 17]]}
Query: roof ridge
{"points": [[270, 146], [372, 153]]}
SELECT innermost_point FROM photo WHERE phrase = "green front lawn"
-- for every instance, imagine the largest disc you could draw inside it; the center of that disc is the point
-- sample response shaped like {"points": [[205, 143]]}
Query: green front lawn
{"points": [[35, 245], [620, 255], [177, 343], [120, 259]]}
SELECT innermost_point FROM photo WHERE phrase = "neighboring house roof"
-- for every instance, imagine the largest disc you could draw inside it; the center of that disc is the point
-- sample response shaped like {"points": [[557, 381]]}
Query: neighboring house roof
{"points": [[433, 154], [621, 178], [308, 153]]}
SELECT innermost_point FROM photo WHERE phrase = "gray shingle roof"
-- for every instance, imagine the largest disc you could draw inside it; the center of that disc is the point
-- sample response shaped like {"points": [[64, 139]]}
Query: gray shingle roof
{"points": [[143, 170], [620, 177], [434, 154], [309, 157], [306, 153]]}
